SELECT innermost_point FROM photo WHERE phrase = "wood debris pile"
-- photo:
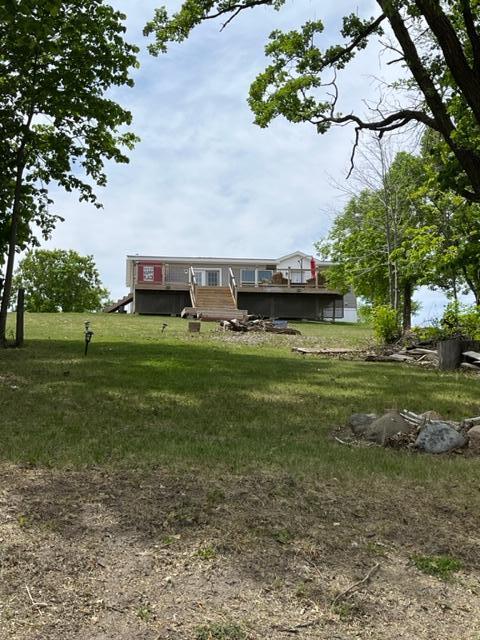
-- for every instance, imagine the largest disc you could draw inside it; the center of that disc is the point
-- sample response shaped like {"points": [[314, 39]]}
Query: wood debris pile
{"points": [[254, 323], [414, 355], [471, 361], [446, 355]]}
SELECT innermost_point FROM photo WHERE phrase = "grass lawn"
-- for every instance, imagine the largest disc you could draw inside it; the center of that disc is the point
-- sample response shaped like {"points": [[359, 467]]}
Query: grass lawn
{"points": [[143, 397], [183, 486]]}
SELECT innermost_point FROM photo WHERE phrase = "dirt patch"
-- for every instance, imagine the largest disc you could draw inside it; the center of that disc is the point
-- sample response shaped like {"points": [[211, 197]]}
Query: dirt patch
{"points": [[97, 555]]}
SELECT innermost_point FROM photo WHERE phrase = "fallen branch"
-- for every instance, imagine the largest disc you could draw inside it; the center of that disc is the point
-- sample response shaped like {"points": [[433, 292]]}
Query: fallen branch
{"points": [[356, 585], [35, 604], [297, 627], [411, 417], [333, 351]]}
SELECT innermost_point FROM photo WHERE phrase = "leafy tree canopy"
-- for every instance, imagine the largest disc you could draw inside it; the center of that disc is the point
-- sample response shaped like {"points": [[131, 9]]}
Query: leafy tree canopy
{"points": [[402, 233], [438, 43], [59, 280], [59, 61]]}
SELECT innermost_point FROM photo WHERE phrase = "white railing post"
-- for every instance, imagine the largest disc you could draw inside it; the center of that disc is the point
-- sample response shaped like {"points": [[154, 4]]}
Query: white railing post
{"points": [[193, 287], [232, 283]]}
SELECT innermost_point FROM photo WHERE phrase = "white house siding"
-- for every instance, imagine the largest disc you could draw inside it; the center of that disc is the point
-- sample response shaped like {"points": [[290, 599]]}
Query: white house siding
{"points": [[350, 307]]}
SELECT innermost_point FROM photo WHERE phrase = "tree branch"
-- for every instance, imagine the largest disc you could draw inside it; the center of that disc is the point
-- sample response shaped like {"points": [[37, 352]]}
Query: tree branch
{"points": [[472, 33], [371, 28], [452, 49], [236, 8], [391, 122]]}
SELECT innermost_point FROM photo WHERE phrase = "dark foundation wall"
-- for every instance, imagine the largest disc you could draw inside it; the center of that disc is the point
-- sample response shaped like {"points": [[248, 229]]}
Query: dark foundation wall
{"points": [[165, 303], [292, 305], [269, 305]]}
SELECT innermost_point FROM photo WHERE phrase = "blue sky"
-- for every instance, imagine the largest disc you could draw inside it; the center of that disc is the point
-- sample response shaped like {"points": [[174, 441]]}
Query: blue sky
{"points": [[204, 180]]}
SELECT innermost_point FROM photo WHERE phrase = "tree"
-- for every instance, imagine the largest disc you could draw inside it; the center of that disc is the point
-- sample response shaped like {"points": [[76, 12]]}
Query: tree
{"points": [[372, 240], [59, 61], [401, 231], [437, 42], [60, 280]]}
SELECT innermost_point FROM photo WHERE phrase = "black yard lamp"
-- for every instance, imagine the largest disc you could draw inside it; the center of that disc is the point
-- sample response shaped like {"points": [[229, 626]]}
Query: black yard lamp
{"points": [[88, 335]]}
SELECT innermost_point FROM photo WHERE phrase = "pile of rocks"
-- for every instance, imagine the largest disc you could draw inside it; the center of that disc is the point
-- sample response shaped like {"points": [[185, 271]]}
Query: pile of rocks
{"points": [[427, 432]]}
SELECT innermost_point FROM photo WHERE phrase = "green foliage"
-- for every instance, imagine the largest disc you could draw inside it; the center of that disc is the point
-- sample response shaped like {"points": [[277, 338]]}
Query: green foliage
{"points": [[206, 553], [144, 613], [365, 313], [59, 61], [386, 326], [57, 280], [297, 84], [439, 566], [460, 320]]}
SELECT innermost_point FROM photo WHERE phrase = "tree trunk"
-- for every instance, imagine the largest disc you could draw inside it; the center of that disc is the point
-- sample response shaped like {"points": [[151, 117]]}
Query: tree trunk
{"points": [[407, 306], [449, 354], [12, 245], [20, 328], [468, 159]]}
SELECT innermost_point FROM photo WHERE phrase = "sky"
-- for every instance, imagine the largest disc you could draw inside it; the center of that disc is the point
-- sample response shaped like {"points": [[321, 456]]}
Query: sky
{"points": [[204, 180]]}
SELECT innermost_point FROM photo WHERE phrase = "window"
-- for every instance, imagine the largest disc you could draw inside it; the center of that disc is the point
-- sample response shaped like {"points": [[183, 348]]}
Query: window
{"points": [[247, 276], [265, 276], [148, 273]]}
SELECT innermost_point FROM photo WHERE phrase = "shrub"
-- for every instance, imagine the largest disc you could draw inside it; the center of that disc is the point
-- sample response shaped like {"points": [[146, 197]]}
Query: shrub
{"points": [[386, 325], [460, 320], [365, 313]]}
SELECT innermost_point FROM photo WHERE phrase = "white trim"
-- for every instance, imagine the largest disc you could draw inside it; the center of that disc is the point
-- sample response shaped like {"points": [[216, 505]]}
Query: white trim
{"points": [[242, 281], [205, 261], [203, 276], [219, 270], [292, 255]]}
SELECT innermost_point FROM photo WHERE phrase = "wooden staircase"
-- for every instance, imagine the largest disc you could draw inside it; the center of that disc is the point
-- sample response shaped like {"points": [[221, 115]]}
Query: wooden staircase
{"points": [[214, 303], [116, 306]]}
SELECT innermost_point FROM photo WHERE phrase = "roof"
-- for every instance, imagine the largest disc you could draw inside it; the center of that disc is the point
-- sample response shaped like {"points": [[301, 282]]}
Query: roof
{"points": [[216, 260], [206, 259]]}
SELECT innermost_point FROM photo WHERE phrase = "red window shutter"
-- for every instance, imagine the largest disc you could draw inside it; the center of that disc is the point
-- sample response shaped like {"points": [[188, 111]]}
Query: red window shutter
{"points": [[140, 273], [158, 273]]}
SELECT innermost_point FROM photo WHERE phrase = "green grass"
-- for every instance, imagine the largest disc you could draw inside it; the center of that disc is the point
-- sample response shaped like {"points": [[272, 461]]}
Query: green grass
{"points": [[442, 567], [144, 398]]}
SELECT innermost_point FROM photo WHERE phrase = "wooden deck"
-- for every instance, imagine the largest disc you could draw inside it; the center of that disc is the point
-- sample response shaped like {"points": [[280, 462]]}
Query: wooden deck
{"points": [[261, 288]]}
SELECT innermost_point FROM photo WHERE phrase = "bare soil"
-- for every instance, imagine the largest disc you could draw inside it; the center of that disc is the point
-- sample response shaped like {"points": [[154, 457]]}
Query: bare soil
{"points": [[97, 555]]}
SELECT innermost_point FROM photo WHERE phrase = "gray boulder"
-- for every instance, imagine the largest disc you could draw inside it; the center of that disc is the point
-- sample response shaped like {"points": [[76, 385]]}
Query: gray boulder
{"points": [[439, 437], [387, 426], [359, 422], [474, 440]]}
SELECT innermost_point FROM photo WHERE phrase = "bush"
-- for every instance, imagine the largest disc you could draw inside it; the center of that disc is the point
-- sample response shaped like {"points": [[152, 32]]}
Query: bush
{"points": [[365, 313], [460, 320], [386, 325]]}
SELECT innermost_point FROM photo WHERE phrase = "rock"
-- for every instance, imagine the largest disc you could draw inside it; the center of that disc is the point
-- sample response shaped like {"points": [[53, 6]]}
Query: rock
{"points": [[474, 439], [387, 426], [431, 415], [359, 422], [439, 437]]}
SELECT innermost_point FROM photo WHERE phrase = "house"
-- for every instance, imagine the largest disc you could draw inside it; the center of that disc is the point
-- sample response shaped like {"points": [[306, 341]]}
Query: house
{"points": [[292, 286]]}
